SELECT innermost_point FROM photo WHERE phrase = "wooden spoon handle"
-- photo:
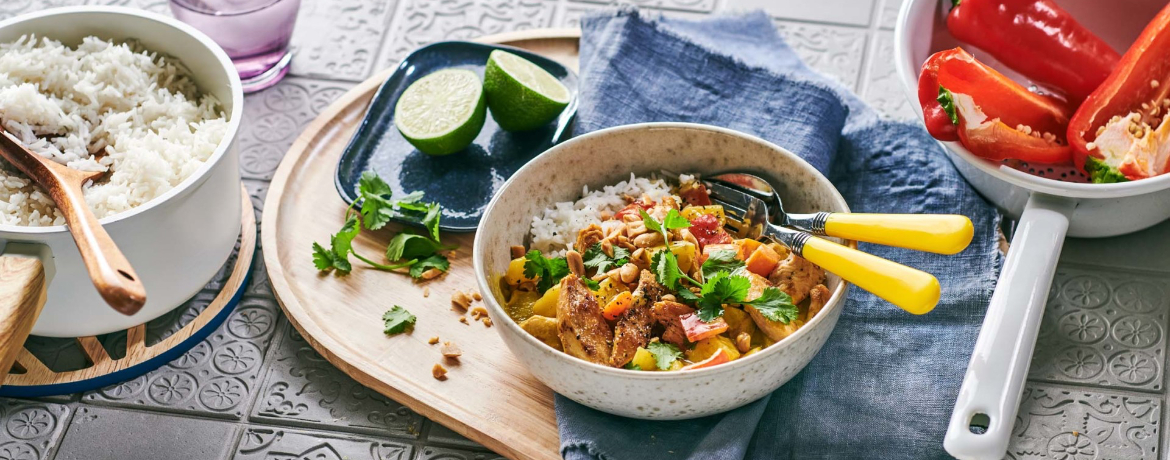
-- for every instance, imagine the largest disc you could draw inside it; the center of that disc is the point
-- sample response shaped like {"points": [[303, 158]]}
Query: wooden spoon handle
{"points": [[22, 294], [109, 270]]}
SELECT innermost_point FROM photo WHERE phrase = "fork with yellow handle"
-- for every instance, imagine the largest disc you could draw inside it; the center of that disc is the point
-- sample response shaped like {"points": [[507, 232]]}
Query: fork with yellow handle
{"points": [[911, 289]]}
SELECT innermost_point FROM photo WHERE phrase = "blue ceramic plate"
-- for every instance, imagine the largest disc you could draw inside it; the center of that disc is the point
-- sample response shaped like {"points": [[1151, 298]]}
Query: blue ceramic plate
{"points": [[463, 182]]}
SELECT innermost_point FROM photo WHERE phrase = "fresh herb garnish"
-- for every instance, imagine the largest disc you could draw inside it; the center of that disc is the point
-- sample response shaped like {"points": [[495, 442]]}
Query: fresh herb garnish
{"points": [[397, 320], [631, 366], [592, 285], [340, 245], [378, 209], [664, 264], [947, 100], [549, 271], [665, 354], [433, 261], [672, 221], [412, 246], [776, 305], [721, 261], [718, 290], [594, 257]]}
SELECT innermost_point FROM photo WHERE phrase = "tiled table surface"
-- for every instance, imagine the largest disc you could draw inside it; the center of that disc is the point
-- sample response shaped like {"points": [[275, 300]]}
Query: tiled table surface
{"points": [[256, 390]]}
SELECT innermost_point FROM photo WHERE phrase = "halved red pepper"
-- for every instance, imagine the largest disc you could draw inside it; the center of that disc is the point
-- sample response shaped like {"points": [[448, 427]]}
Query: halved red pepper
{"points": [[994, 117], [697, 329], [1038, 39], [1139, 85]]}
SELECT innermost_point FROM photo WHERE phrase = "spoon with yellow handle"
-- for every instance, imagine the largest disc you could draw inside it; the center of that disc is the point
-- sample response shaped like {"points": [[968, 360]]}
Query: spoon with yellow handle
{"points": [[910, 289], [937, 233]]}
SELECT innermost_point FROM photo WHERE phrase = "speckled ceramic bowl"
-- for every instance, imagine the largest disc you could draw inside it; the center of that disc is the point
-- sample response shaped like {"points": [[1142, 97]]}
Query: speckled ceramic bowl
{"points": [[607, 157]]}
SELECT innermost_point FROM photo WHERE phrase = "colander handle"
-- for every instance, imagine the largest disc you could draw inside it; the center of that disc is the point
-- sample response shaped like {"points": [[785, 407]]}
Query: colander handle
{"points": [[985, 412]]}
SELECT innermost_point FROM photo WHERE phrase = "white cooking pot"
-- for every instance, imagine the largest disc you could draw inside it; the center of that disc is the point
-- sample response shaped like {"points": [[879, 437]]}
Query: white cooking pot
{"points": [[1046, 210], [176, 242]]}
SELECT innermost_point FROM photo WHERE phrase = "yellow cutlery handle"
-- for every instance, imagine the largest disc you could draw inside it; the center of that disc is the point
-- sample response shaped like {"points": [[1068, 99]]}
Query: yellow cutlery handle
{"points": [[910, 289], [937, 233]]}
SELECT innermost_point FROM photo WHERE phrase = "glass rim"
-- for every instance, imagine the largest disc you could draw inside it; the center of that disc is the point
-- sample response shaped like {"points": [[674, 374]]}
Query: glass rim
{"points": [[185, 4]]}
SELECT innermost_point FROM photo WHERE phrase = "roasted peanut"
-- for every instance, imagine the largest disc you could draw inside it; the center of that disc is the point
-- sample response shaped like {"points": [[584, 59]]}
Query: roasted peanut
{"points": [[629, 273], [648, 240], [576, 264], [439, 372], [460, 301], [743, 342], [686, 235], [450, 350], [635, 228], [517, 252]]}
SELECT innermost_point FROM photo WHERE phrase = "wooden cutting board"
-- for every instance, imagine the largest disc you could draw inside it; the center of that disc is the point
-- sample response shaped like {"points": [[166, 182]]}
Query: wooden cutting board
{"points": [[488, 396]]}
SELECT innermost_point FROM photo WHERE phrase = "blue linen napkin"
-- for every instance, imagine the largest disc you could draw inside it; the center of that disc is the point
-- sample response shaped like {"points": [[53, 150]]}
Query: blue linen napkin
{"points": [[885, 382]]}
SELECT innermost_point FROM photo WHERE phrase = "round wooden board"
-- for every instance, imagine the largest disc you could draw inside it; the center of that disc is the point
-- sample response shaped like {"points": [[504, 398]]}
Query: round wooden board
{"points": [[488, 396]]}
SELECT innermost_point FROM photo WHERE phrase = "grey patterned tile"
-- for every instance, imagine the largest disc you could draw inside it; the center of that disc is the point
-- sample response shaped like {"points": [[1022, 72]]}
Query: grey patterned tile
{"points": [[32, 430], [264, 443], [1065, 423], [303, 389], [1104, 328], [570, 15], [881, 87], [851, 12], [258, 284], [101, 433], [439, 434], [442, 453], [274, 117], [420, 22], [339, 39], [1134, 250], [10, 8], [888, 13], [834, 51], [701, 6], [216, 378]]}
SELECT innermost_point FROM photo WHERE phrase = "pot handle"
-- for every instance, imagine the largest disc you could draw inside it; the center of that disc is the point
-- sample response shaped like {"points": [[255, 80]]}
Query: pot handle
{"points": [[22, 295], [989, 398]]}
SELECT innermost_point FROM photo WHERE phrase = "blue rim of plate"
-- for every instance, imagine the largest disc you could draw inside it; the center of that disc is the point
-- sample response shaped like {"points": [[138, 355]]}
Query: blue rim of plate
{"points": [[363, 144]]}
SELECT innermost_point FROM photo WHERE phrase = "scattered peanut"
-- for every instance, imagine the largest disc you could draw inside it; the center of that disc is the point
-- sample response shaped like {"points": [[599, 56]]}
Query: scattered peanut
{"points": [[478, 312], [463, 319], [517, 252], [460, 301], [648, 240], [576, 264], [629, 273], [439, 372], [427, 291], [431, 274], [433, 340], [487, 322], [450, 350], [668, 298], [477, 296]]}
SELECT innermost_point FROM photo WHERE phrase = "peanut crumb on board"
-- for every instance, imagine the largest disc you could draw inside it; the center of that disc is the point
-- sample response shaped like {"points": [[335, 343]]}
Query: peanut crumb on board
{"points": [[431, 274], [427, 291], [439, 372], [463, 319], [477, 312], [460, 301], [476, 295], [451, 350], [487, 322], [433, 340]]}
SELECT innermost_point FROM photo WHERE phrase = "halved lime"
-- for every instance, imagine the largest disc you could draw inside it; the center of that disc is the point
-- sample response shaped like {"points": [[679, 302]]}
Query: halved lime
{"points": [[522, 95], [441, 113]]}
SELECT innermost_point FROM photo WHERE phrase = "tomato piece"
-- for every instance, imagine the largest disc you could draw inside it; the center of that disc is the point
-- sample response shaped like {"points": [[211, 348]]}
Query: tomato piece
{"points": [[697, 329], [634, 208], [707, 230], [697, 195]]}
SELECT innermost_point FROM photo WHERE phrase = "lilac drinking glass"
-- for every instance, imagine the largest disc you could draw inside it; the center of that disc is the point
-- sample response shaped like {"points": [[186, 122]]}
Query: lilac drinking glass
{"points": [[254, 33]]}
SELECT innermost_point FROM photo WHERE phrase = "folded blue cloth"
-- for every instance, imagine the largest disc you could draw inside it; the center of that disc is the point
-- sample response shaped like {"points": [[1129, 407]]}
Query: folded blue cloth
{"points": [[884, 384]]}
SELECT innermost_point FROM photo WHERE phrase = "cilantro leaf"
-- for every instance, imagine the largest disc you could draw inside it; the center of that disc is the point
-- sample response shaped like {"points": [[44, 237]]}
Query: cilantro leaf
{"points": [[631, 366], [434, 261], [372, 184], [594, 257], [776, 305], [550, 271], [721, 261], [665, 354], [672, 221], [340, 245], [322, 258], [342, 242], [687, 296], [410, 246], [397, 320], [377, 209], [592, 285], [665, 267], [947, 100], [431, 220], [720, 289]]}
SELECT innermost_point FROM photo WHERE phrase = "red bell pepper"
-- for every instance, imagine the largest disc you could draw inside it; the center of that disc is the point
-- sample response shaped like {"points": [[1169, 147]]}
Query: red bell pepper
{"points": [[716, 359], [1038, 39], [707, 230], [697, 329], [1119, 132], [994, 117]]}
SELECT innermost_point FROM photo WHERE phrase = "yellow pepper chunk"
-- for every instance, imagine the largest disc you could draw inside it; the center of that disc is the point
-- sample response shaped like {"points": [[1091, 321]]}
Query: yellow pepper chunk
{"points": [[546, 305], [684, 251], [707, 347], [716, 210], [644, 360], [515, 274]]}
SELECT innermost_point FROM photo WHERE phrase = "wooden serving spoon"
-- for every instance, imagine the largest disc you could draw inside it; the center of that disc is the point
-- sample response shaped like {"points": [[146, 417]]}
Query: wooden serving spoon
{"points": [[109, 270]]}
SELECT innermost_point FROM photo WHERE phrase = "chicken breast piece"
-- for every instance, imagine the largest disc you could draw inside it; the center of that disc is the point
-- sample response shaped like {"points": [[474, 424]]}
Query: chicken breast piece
{"points": [[669, 314], [819, 295], [796, 276], [582, 330], [775, 330], [633, 327]]}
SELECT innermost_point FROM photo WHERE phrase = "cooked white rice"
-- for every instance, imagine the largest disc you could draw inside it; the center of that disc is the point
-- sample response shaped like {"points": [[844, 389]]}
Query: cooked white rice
{"points": [[555, 230], [101, 106]]}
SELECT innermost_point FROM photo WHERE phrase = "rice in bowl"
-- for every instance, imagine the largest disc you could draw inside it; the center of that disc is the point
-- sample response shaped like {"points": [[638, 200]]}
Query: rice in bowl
{"points": [[101, 106]]}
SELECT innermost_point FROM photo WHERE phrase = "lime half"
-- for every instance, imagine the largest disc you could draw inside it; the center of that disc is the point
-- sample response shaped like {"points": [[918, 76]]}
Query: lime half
{"points": [[522, 95], [441, 113]]}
